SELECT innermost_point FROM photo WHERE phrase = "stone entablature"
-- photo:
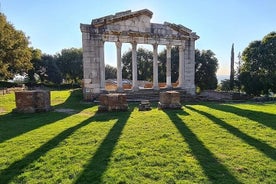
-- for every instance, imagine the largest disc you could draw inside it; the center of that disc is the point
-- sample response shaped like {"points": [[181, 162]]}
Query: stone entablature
{"points": [[135, 28]]}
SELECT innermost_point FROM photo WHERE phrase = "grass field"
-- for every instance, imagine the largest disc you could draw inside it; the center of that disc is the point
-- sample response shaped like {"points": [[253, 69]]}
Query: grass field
{"points": [[203, 143]]}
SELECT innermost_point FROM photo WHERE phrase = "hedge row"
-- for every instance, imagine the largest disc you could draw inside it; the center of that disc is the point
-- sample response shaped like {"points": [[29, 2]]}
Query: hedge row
{"points": [[5, 84]]}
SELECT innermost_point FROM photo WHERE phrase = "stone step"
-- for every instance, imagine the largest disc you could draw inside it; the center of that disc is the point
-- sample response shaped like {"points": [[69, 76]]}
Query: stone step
{"points": [[152, 95]]}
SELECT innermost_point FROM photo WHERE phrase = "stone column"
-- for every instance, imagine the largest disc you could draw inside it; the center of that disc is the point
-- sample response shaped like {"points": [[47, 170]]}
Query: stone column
{"points": [[155, 67], [119, 67], [189, 78], [168, 68], [102, 66], [181, 66], [134, 67]]}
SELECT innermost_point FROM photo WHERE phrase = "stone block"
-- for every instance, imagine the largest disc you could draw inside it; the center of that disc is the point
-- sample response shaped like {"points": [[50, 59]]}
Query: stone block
{"points": [[169, 100], [144, 106], [32, 101], [113, 102]]}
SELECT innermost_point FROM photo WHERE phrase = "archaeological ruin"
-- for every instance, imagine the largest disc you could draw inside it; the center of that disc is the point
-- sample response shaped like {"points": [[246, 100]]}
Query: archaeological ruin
{"points": [[135, 28]]}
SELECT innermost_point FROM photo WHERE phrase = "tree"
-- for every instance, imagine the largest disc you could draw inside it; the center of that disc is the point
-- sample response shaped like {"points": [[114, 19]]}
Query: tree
{"points": [[36, 62], [232, 71], [144, 64], [53, 73], [69, 61], [110, 72], [15, 55], [174, 64], [258, 71], [206, 65]]}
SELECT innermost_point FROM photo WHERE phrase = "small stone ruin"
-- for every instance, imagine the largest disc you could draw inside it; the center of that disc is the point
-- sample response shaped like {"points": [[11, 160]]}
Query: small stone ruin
{"points": [[169, 100], [144, 105], [32, 101], [113, 102]]}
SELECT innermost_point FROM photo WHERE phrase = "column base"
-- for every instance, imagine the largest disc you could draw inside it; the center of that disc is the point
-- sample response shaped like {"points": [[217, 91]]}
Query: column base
{"points": [[120, 89], [135, 88], [169, 86], [190, 90], [155, 87]]}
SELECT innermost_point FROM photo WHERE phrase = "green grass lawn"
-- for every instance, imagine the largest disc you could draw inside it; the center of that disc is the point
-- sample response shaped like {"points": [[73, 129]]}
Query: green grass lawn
{"points": [[203, 143]]}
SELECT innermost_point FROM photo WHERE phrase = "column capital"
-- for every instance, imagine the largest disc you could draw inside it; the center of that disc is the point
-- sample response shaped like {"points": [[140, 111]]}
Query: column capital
{"points": [[118, 44], [182, 46], [101, 43], [155, 45]]}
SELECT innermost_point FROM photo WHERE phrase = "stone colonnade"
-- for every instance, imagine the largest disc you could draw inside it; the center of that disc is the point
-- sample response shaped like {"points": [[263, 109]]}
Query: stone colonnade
{"points": [[186, 58], [135, 28]]}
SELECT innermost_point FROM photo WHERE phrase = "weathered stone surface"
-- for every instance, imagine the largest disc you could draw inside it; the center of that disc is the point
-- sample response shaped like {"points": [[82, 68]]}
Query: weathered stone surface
{"points": [[135, 28], [144, 105], [169, 100], [112, 102], [32, 101]]}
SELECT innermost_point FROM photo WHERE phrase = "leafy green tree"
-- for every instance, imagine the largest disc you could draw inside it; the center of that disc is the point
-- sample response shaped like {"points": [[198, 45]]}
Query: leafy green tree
{"points": [[144, 64], [52, 71], [70, 64], [206, 65], [258, 71], [15, 55], [174, 64], [110, 72], [36, 62]]}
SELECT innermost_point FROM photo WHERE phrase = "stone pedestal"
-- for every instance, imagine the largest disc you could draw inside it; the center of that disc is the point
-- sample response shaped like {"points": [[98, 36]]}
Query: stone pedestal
{"points": [[113, 102], [144, 106], [169, 100], [32, 101]]}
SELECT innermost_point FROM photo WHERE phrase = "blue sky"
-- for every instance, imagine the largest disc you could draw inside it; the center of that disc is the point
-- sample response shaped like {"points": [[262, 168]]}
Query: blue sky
{"points": [[53, 25]]}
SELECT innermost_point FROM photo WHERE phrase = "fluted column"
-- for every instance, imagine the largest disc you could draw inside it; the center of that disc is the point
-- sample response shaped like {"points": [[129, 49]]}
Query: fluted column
{"points": [[134, 67], [119, 67], [168, 67], [155, 67], [102, 66], [181, 65]]}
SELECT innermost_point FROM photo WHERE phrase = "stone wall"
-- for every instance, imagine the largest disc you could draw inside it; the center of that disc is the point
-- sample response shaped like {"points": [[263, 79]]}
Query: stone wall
{"points": [[222, 95], [32, 101]]}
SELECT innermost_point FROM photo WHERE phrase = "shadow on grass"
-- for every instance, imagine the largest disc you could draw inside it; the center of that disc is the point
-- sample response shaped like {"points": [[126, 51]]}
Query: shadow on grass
{"points": [[15, 124], [214, 170], [261, 146], [266, 119], [17, 167], [99, 162]]}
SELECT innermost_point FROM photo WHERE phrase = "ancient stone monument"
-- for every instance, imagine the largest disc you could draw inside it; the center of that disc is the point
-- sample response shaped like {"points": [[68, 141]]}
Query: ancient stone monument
{"points": [[169, 100], [135, 28], [32, 101], [112, 102]]}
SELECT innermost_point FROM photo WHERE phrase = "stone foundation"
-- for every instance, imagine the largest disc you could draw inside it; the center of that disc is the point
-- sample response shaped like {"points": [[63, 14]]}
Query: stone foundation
{"points": [[32, 101], [169, 100], [112, 102]]}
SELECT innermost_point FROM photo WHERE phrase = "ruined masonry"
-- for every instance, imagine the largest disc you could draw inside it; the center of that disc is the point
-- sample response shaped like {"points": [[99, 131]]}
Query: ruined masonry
{"points": [[135, 28]]}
